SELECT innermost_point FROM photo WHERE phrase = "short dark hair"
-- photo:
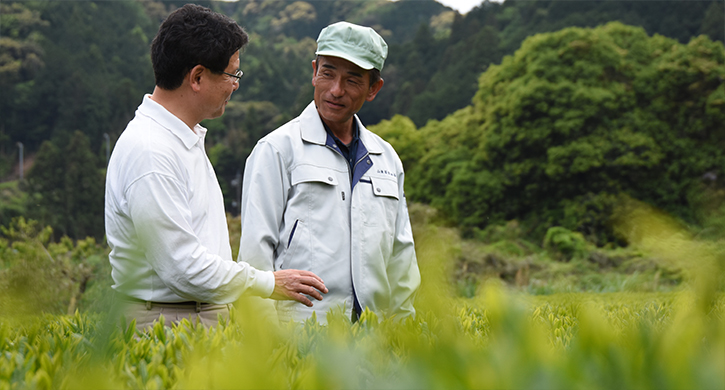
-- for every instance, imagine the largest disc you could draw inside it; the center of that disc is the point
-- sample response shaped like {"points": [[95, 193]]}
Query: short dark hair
{"points": [[374, 73], [190, 36], [374, 76]]}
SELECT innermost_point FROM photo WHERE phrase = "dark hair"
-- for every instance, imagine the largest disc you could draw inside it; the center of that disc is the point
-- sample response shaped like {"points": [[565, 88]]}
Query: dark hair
{"points": [[374, 76], [190, 36], [374, 73]]}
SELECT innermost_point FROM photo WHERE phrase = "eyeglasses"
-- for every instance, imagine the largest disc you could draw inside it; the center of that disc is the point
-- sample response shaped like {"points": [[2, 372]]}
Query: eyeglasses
{"points": [[238, 74]]}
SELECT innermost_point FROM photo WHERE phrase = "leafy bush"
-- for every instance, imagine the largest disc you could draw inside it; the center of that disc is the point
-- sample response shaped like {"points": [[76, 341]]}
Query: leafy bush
{"points": [[13, 202], [568, 123], [563, 244], [40, 276]]}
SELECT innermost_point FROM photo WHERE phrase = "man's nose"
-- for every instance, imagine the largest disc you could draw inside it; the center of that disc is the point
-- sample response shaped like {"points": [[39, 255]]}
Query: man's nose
{"points": [[338, 89]]}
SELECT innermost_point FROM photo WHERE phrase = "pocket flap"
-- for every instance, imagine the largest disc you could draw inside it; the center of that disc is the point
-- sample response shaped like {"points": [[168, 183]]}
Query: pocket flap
{"points": [[384, 187], [311, 173]]}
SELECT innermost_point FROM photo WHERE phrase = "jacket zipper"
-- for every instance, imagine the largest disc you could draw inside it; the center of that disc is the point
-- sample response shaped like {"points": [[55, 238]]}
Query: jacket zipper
{"points": [[351, 170]]}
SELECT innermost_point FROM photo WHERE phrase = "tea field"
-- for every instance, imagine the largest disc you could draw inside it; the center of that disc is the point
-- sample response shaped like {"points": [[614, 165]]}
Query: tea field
{"points": [[497, 340], [499, 335]]}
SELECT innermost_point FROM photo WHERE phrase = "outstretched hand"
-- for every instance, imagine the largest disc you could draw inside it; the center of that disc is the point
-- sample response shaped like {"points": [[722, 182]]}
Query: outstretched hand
{"points": [[292, 284]]}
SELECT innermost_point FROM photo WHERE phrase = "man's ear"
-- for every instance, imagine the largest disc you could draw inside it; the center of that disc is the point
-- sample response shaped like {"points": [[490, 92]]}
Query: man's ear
{"points": [[374, 89], [314, 72], [195, 76]]}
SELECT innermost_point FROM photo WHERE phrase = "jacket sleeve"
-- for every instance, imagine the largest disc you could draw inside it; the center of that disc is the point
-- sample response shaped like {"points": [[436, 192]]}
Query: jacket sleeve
{"points": [[264, 197], [403, 272]]}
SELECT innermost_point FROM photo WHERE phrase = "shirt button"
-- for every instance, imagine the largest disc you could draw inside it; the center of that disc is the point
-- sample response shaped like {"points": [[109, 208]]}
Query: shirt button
{"points": [[377, 189], [369, 162], [329, 178]]}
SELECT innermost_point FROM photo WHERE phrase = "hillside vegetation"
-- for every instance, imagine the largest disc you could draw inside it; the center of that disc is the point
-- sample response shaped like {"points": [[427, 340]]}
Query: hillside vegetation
{"points": [[572, 125], [73, 73]]}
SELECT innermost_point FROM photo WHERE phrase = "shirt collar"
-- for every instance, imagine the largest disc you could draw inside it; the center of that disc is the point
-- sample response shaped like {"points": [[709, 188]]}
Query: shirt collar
{"points": [[313, 130], [171, 122], [355, 133]]}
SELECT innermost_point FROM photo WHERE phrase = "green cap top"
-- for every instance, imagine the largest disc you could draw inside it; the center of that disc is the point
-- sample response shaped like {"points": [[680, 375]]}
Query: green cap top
{"points": [[360, 45]]}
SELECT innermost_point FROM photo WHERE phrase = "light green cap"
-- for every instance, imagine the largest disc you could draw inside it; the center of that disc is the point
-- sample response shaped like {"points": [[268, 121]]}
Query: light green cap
{"points": [[360, 45]]}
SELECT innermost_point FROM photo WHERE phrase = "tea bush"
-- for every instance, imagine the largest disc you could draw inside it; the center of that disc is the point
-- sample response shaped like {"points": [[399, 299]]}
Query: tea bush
{"points": [[496, 340], [499, 338]]}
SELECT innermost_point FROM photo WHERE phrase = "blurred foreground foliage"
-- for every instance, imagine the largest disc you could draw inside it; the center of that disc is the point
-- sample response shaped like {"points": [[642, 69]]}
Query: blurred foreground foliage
{"points": [[501, 337], [498, 340]]}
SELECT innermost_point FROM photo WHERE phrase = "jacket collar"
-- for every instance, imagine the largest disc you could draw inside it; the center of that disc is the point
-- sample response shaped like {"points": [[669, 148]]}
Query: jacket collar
{"points": [[169, 121], [313, 131]]}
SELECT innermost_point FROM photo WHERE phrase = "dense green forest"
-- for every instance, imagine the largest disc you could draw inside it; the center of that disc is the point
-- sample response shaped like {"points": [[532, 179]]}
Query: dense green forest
{"points": [[550, 133]]}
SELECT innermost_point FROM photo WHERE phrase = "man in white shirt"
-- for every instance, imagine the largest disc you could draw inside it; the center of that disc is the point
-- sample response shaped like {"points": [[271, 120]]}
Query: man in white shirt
{"points": [[165, 219]]}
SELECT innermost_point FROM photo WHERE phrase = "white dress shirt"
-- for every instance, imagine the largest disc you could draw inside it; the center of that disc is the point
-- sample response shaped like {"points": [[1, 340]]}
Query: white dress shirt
{"points": [[165, 219]]}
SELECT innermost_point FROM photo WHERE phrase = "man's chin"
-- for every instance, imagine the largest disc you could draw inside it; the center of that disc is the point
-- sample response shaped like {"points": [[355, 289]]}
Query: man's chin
{"points": [[331, 116], [216, 114]]}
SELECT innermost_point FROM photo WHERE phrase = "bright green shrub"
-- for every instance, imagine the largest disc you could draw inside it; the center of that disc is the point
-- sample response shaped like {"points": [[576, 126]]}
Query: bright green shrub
{"points": [[401, 132], [564, 244], [572, 120]]}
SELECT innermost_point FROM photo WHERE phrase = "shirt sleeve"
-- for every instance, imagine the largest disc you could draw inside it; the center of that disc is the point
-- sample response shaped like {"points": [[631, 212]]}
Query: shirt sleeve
{"points": [[403, 272], [159, 207]]}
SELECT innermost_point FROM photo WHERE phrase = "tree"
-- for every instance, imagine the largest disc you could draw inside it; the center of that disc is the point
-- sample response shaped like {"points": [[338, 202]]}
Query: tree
{"points": [[234, 135], [573, 119], [84, 188], [21, 59], [66, 189]]}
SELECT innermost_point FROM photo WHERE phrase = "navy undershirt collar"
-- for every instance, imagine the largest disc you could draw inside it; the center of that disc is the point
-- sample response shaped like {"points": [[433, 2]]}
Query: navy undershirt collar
{"points": [[348, 151]]}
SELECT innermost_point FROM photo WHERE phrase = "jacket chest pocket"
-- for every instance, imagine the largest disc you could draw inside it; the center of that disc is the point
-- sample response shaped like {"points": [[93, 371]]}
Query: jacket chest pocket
{"points": [[380, 203], [313, 187]]}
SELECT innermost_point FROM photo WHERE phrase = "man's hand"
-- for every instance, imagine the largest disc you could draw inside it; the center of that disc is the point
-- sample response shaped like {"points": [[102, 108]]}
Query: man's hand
{"points": [[294, 284]]}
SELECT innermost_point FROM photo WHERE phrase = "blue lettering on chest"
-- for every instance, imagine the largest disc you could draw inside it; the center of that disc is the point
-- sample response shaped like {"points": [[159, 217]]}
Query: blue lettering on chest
{"points": [[386, 172]]}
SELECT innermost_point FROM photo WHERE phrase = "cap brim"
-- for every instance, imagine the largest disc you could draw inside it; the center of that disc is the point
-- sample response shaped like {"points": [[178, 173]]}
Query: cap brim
{"points": [[357, 61]]}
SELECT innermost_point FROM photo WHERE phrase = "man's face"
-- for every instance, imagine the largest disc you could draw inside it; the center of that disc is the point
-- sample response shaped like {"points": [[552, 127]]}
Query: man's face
{"points": [[341, 88], [222, 88]]}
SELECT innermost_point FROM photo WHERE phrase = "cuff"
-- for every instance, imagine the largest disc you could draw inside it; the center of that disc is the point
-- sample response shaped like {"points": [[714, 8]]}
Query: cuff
{"points": [[264, 285]]}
